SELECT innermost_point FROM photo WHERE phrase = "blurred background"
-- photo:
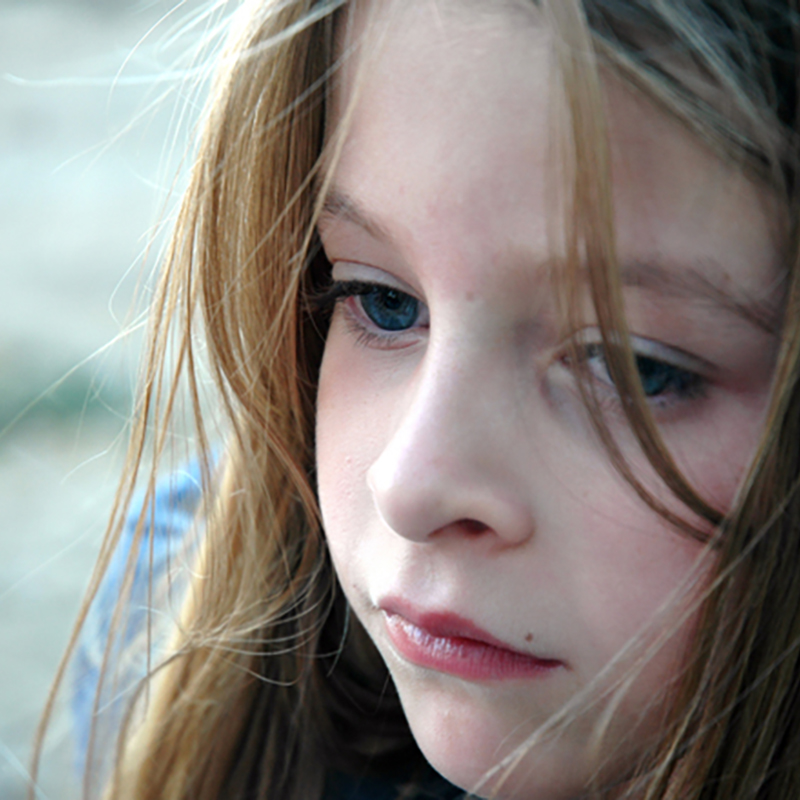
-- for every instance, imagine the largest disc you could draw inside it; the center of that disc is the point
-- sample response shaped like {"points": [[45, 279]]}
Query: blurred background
{"points": [[83, 171]]}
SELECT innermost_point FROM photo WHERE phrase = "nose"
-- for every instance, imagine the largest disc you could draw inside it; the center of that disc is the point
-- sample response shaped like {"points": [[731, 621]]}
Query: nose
{"points": [[452, 461]]}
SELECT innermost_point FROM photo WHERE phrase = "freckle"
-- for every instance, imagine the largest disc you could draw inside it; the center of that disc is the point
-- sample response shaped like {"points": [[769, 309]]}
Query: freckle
{"points": [[529, 637], [470, 296]]}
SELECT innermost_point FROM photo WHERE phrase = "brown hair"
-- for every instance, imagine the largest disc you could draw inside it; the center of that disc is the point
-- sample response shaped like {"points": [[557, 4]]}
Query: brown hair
{"points": [[269, 684]]}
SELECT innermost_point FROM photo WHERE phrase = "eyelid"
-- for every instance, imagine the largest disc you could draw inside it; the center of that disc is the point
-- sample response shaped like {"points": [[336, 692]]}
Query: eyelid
{"points": [[338, 290], [355, 271], [651, 348]]}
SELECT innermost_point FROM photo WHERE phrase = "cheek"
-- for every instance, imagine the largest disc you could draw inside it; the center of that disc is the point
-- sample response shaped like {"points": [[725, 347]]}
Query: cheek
{"points": [[716, 459], [624, 570], [716, 468], [350, 413], [628, 567]]}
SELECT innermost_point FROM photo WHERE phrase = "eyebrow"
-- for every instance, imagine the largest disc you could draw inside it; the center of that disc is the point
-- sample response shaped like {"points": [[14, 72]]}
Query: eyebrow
{"points": [[691, 282], [342, 207], [678, 280]]}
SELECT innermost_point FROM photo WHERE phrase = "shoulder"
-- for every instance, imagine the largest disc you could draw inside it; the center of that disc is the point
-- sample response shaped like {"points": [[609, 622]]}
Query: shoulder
{"points": [[165, 522]]}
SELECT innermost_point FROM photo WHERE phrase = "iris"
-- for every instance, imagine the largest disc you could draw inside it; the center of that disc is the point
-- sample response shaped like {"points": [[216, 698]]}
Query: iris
{"points": [[390, 309], [659, 377]]}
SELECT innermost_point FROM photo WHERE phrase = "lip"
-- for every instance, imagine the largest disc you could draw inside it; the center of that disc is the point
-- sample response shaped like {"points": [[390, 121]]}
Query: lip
{"points": [[448, 643]]}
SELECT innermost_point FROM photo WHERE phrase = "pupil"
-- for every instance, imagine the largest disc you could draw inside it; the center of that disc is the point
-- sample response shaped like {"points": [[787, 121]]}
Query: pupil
{"points": [[390, 309], [658, 377]]}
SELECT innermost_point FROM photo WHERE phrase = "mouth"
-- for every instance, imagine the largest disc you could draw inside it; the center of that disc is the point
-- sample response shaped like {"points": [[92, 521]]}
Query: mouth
{"points": [[448, 643]]}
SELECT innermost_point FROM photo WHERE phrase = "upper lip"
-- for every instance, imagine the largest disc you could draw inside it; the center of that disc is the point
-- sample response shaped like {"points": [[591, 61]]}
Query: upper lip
{"points": [[444, 624]]}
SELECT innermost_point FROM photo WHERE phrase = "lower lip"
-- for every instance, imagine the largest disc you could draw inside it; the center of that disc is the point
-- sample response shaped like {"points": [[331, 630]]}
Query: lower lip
{"points": [[464, 657]]}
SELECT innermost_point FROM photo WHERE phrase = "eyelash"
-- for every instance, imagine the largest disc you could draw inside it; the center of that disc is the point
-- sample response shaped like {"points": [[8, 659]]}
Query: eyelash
{"points": [[363, 322], [675, 384]]}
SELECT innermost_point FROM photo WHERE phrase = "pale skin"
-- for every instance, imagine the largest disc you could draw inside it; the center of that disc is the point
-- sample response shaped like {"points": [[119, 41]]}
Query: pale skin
{"points": [[457, 466]]}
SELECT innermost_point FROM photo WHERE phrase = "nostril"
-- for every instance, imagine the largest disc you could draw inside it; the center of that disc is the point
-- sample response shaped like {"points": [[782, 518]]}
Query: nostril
{"points": [[472, 526]]}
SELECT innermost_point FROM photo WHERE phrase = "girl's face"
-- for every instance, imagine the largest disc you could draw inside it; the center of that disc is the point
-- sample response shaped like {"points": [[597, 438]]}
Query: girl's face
{"points": [[477, 526]]}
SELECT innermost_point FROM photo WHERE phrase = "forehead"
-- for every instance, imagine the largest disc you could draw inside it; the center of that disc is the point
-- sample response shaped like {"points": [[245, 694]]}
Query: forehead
{"points": [[425, 85], [454, 120]]}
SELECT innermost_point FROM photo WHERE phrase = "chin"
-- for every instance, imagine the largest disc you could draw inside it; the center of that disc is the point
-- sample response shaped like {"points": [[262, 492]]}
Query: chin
{"points": [[539, 774], [486, 756]]}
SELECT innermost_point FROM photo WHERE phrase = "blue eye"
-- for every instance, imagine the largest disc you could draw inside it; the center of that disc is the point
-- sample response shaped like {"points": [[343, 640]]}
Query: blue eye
{"points": [[390, 309], [659, 379]]}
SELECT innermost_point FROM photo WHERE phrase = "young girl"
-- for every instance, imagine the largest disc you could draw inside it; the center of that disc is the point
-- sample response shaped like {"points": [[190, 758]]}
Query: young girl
{"points": [[499, 306]]}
